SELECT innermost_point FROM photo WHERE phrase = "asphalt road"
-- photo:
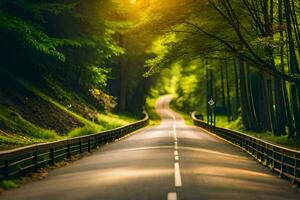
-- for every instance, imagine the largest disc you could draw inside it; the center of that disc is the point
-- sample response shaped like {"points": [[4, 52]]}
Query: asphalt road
{"points": [[166, 162]]}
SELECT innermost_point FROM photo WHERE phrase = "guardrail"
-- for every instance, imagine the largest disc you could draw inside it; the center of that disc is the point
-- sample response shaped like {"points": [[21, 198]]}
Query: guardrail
{"points": [[22, 161], [282, 160]]}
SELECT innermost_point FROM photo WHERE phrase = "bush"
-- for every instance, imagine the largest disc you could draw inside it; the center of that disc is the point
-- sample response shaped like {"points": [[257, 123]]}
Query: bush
{"points": [[8, 184]]}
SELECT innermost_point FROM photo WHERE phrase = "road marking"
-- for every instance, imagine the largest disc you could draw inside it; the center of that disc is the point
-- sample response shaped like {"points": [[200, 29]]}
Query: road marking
{"points": [[170, 114], [174, 131], [175, 153], [172, 196], [178, 182]]}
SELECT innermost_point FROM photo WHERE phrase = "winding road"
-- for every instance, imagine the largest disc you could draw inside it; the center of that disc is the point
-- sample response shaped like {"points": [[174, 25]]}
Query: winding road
{"points": [[166, 162]]}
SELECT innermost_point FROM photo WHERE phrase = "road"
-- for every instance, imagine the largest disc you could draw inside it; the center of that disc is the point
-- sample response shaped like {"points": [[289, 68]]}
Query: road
{"points": [[166, 162]]}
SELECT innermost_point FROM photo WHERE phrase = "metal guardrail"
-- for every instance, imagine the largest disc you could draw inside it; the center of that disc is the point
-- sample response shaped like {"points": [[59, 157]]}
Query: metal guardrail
{"points": [[22, 161], [284, 161]]}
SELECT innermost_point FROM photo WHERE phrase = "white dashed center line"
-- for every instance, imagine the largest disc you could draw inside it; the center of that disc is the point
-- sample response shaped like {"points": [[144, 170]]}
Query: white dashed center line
{"points": [[172, 196], [178, 182], [175, 153], [177, 176]]}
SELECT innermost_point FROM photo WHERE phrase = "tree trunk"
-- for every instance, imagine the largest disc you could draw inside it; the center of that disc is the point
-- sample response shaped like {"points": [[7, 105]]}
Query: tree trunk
{"points": [[237, 89], [123, 83], [287, 118], [294, 68], [223, 88], [228, 94]]}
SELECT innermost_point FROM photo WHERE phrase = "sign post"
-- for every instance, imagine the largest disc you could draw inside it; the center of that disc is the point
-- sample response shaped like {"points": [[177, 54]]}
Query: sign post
{"points": [[211, 104]]}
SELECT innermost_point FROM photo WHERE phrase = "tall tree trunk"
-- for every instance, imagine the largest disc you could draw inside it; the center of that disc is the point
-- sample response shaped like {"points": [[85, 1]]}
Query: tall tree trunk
{"points": [[223, 87], [271, 103], [228, 94], [247, 116], [237, 89], [207, 94], [287, 117], [254, 120], [124, 80], [277, 126], [294, 68], [265, 109], [212, 119]]}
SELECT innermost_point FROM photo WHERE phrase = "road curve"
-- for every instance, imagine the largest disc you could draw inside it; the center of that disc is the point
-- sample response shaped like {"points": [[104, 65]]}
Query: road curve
{"points": [[166, 162]]}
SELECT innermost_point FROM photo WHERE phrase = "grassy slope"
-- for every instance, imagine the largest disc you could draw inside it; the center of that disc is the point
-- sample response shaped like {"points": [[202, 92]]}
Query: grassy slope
{"points": [[16, 131]]}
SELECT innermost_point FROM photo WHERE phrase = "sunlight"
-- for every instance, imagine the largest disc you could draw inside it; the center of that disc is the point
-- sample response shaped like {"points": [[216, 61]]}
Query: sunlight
{"points": [[132, 1]]}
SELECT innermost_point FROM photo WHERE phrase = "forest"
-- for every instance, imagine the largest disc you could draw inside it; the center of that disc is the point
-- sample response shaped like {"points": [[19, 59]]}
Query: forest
{"points": [[72, 68]]}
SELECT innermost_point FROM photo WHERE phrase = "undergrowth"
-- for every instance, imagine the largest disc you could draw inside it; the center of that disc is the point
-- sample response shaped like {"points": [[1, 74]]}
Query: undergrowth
{"points": [[15, 131], [237, 125], [150, 108]]}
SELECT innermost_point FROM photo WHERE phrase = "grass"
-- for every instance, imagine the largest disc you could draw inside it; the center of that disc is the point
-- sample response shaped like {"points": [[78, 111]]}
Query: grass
{"points": [[32, 134], [28, 132], [150, 108], [81, 131], [186, 116], [8, 184], [237, 125], [15, 131], [284, 140], [110, 120]]}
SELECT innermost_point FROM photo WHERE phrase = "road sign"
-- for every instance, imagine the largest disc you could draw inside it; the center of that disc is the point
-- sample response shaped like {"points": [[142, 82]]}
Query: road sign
{"points": [[211, 103]]}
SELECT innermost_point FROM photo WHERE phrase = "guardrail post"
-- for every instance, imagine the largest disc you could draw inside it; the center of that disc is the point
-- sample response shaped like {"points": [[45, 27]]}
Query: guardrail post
{"points": [[99, 140], [52, 156], [273, 159], [89, 145], [281, 164], [105, 138], [6, 169], [80, 147], [51, 149], [35, 161], [248, 147], [295, 169], [68, 150], [256, 150]]}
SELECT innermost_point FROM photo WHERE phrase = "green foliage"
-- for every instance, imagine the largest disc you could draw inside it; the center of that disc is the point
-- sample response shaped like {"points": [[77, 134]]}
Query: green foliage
{"points": [[237, 125], [16, 131], [74, 33], [16, 123], [110, 120], [150, 108], [186, 115], [108, 102], [8, 184], [29, 35], [104, 122], [82, 131]]}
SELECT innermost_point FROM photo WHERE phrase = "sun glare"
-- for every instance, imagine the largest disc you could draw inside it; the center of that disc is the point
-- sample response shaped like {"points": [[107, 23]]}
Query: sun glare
{"points": [[132, 1]]}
